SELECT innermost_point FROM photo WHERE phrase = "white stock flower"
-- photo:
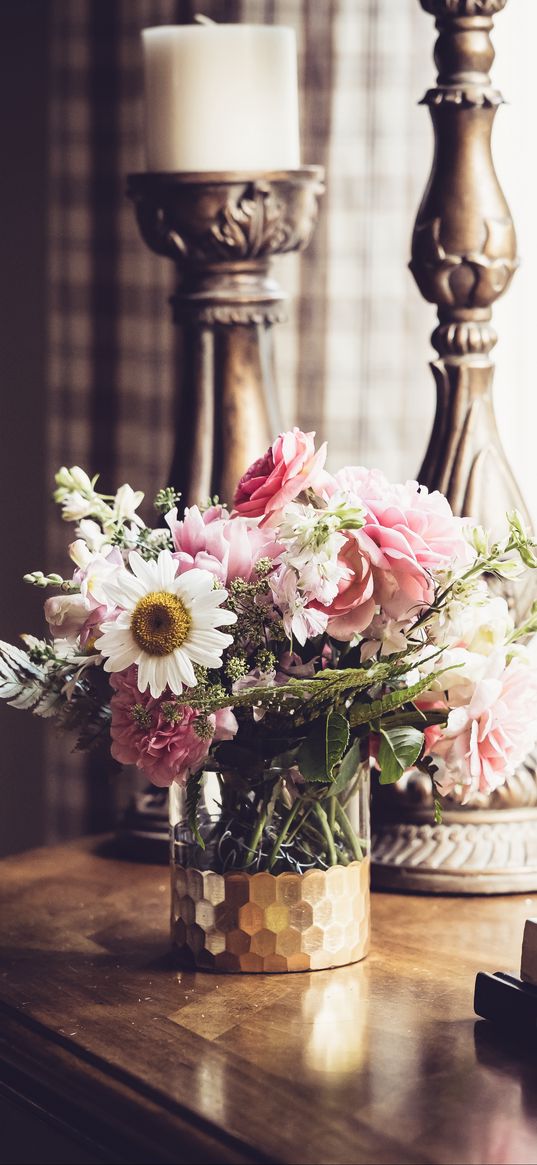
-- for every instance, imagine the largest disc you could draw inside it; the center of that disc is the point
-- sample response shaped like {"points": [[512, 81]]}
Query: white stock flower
{"points": [[299, 620], [167, 623], [75, 506], [91, 533], [312, 540], [126, 503], [384, 637], [77, 496], [478, 620], [96, 570], [461, 671]]}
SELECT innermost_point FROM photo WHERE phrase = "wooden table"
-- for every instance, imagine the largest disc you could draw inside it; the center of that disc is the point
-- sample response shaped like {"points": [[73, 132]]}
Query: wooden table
{"points": [[109, 1054]]}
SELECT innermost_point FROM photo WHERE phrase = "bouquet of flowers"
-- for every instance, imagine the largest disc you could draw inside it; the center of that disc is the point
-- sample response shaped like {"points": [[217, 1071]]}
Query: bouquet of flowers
{"points": [[323, 623]]}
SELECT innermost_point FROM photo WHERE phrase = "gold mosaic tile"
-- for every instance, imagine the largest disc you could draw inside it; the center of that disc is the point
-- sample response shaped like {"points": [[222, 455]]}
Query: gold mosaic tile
{"points": [[272, 923]]}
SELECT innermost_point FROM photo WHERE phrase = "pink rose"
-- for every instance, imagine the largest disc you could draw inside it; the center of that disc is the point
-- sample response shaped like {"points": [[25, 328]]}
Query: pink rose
{"points": [[66, 614], [354, 605], [409, 533], [228, 547], [144, 732], [290, 466]]}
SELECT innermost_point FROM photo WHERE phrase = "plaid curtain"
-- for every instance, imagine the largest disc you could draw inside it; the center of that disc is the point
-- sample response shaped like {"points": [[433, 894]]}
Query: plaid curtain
{"points": [[351, 359]]}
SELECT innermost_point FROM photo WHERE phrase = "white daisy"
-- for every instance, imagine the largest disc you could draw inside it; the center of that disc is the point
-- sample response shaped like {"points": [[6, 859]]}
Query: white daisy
{"points": [[166, 623]]}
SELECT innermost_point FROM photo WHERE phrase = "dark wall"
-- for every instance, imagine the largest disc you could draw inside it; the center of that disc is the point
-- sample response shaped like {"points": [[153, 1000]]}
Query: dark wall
{"points": [[23, 195]]}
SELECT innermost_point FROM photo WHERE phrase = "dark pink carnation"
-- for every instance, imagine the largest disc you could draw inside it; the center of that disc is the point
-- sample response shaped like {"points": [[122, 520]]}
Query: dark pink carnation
{"points": [[290, 466], [144, 736]]}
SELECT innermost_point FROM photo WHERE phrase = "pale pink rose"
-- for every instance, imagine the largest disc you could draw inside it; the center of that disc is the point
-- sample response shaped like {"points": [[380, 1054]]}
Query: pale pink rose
{"points": [[290, 466], [228, 547], [354, 605], [142, 735], [74, 617], [66, 615], [486, 739], [409, 534]]}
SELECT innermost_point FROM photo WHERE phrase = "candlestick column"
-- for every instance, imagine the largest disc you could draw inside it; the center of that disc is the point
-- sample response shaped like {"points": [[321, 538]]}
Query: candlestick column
{"points": [[463, 258], [221, 230]]}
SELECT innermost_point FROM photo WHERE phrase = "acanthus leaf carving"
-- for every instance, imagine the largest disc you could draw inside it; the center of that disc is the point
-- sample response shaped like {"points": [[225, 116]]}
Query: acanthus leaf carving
{"points": [[443, 8], [473, 279], [251, 227]]}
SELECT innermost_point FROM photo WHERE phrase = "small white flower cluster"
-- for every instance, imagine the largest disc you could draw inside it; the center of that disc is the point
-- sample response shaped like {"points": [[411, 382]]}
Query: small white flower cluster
{"points": [[79, 500], [311, 567]]}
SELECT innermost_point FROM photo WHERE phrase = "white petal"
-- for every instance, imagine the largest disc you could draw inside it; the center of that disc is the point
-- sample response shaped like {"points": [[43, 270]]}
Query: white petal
{"points": [[167, 569], [146, 572], [211, 640], [144, 672], [155, 688], [175, 682], [225, 617], [208, 599], [120, 661], [186, 671], [214, 618], [113, 641], [203, 656], [124, 589], [161, 672], [193, 584]]}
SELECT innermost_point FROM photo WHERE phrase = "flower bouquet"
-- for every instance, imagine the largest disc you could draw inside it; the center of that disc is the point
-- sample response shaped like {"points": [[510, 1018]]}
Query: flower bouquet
{"points": [[262, 661]]}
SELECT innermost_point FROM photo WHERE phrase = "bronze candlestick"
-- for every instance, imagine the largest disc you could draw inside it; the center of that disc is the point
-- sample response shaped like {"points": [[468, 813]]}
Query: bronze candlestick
{"points": [[221, 231], [463, 258]]}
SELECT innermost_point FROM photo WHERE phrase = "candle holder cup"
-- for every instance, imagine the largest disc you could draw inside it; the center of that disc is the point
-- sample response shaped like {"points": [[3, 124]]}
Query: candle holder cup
{"points": [[221, 230]]}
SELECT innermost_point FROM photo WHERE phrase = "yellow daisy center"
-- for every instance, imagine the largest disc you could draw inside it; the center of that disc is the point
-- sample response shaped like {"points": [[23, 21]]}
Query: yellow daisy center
{"points": [[160, 623]]}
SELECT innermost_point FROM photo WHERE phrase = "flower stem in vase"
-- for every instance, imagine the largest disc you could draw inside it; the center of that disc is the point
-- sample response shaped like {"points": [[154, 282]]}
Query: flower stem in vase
{"points": [[347, 830], [257, 835], [323, 820], [283, 832]]}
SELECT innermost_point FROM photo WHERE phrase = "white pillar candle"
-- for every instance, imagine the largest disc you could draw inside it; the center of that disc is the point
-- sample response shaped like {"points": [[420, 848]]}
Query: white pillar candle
{"points": [[221, 97]]}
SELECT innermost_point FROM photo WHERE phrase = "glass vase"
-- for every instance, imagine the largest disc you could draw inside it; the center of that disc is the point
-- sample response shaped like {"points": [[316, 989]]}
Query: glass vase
{"points": [[272, 878]]}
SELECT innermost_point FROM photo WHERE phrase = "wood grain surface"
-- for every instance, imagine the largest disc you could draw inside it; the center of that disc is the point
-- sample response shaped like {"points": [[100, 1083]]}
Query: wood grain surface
{"points": [[380, 1062]]}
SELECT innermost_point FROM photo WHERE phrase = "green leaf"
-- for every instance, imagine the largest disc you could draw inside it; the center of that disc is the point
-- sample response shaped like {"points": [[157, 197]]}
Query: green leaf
{"points": [[193, 794], [324, 747], [337, 739], [399, 749], [366, 713], [347, 768]]}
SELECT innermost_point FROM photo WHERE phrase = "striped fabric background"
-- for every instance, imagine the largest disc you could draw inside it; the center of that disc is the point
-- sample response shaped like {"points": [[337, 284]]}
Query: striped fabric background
{"points": [[352, 358]]}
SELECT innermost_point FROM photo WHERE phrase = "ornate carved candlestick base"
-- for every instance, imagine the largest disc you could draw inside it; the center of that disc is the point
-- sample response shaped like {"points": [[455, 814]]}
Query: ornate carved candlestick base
{"points": [[463, 258], [221, 230]]}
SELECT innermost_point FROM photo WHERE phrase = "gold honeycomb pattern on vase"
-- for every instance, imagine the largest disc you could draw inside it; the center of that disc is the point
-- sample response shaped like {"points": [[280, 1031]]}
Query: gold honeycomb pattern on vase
{"points": [[267, 922]]}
